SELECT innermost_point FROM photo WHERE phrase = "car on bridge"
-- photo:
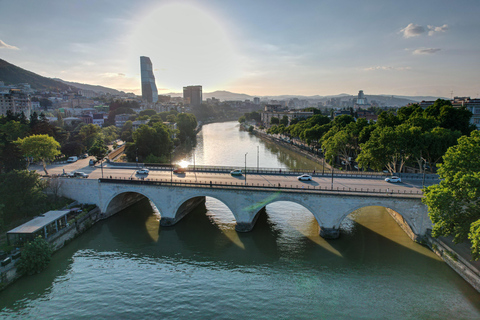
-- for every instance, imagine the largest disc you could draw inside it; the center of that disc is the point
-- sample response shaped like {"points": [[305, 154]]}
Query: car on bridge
{"points": [[394, 179], [143, 171], [180, 170], [305, 177], [236, 172]]}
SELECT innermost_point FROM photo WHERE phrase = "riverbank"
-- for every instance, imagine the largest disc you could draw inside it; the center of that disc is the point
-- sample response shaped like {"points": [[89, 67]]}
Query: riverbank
{"points": [[9, 275], [457, 256], [291, 147]]}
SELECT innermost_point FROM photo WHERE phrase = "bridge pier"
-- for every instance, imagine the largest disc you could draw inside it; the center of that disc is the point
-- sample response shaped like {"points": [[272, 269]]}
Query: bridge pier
{"points": [[329, 233], [185, 208]]}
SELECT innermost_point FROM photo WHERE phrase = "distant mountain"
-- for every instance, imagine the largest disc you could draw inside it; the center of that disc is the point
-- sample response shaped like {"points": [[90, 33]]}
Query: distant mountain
{"points": [[11, 74], [96, 88]]}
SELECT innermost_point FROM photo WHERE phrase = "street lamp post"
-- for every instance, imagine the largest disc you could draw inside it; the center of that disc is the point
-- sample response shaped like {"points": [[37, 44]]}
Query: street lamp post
{"points": [[323, 166], [246, 168], [101, 166], [136, 156], [258, 158], [424, 169], [171, 168], [333, 160]]}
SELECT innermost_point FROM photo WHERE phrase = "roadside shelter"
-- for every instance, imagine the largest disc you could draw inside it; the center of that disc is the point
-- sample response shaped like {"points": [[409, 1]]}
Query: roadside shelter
{"points": [[44, 225]]}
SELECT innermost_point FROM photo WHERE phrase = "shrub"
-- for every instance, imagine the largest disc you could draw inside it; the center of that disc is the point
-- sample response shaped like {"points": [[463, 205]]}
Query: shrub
{"points": [[35, 257]]}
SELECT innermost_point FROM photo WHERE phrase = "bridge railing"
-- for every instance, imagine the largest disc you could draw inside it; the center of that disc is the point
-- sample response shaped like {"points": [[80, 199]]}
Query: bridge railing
{"points": [[285, 171], [278, 171], [258, 186]]}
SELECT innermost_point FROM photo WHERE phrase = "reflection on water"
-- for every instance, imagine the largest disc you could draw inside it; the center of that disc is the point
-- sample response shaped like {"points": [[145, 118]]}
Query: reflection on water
{"points": [[129, 267], [224, 144]]}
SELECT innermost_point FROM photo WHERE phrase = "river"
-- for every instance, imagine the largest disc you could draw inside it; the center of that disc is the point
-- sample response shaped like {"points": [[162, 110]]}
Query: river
{"points": [[127, 267]]}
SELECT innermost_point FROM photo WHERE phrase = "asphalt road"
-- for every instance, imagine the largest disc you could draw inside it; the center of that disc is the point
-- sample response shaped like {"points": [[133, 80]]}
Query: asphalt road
{"points": [[342, 183]]}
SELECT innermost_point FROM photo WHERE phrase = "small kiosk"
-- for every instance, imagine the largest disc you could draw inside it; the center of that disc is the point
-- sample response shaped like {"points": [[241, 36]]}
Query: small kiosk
{"points": [[44, 225]]}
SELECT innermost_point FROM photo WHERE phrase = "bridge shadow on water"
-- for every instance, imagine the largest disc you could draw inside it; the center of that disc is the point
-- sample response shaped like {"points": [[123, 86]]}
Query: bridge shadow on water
{"points": [[197, 239]]}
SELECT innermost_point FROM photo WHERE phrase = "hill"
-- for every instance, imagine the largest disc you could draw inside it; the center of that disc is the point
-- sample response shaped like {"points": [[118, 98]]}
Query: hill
{"points": [[95, 88], [11, 74]]}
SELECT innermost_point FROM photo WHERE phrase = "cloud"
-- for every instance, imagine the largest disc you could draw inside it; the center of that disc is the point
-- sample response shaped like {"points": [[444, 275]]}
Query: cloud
{"points": [[412, 30], [433, 29], [426, 50], [3, 45], [387, 68]]}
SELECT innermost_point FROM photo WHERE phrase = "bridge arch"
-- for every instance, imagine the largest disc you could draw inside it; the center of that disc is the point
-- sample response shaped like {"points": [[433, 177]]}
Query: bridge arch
{"points": [[303, 204], [186, 203], [396, 210], [125, 198]]}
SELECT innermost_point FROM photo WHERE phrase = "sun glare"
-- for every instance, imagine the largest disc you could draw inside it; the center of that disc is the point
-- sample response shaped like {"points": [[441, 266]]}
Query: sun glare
{"points": [[187, 46]]}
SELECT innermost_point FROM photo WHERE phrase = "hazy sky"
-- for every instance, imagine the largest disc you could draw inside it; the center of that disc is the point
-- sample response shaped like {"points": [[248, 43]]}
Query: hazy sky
{"points": [[251, 46]]}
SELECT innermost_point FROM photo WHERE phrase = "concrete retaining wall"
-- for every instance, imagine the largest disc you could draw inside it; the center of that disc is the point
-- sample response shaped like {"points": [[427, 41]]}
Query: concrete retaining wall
{"points": [[461, 266]]}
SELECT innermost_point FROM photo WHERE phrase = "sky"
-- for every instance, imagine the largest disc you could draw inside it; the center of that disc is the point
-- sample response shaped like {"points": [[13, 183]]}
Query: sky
{"points": [[256, 47]]}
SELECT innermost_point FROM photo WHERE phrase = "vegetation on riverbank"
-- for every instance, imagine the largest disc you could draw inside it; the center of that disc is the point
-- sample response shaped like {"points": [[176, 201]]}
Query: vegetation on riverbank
{"points": [[26, 197], [411, 136], [36, 256], [454, 203]]}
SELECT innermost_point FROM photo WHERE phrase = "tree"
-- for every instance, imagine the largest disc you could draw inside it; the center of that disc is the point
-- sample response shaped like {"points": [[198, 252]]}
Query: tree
{"points": [[147, 112], [99, 150], [387, 147], [89, 133], [25, 194], [41, 147], [36, 256], [72, 148], [454, 203], [274, 120], [110, 134], [186, 124], [284, 120], [339, 144], [2, 221], [153, 140]]}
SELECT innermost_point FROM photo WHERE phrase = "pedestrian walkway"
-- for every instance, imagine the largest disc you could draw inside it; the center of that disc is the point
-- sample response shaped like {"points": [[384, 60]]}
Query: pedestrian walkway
{"points": [[462, 250]]}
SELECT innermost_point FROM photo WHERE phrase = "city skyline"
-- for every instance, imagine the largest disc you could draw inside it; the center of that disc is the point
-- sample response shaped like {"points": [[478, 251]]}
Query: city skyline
{"points": [[268, 48]]}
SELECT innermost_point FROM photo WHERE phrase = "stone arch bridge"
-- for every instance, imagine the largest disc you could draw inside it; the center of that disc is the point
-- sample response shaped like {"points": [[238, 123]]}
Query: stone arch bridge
{"points": [[174, 201]]}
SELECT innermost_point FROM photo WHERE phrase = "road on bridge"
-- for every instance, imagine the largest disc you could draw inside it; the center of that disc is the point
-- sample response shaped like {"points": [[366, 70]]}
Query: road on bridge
{"points": [[342, 183]]}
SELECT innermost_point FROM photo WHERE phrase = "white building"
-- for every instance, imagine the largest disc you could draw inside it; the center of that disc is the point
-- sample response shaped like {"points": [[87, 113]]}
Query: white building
{"points": [[15, 101]]}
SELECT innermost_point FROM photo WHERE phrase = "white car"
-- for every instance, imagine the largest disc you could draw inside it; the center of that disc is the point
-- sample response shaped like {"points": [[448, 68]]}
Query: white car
{"points": [[143, 171], [236, 172], [393, 179], [305, 177]]}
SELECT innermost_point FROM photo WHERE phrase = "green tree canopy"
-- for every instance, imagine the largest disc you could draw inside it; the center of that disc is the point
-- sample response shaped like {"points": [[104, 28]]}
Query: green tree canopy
{"points": [[41, 147], [99, 149], [186, 124], [274, 120], [89, 133], [453, 204], [35, 257], [25, 194], [147, 112], [154, 140]]}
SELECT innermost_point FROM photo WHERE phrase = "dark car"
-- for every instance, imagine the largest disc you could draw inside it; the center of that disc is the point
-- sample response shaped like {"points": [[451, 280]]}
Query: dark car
{"points": [[180, 170]]}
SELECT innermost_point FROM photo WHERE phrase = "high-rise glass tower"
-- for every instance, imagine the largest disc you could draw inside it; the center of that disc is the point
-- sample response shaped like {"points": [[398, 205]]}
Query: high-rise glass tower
{"points": [[149, 88]]}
